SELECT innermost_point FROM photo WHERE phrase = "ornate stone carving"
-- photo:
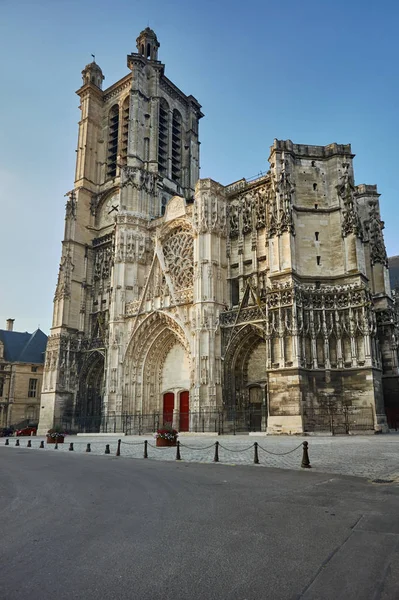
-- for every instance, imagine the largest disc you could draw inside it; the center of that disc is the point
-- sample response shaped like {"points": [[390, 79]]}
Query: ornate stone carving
{"points": [[351, 221], [70, 206], [63, 289], [139, 179], [378, 252], [103, 262], [234, 220]]}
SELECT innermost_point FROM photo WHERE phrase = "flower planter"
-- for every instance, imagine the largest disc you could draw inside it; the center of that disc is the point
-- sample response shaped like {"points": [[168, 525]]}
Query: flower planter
{"points": [[55, 440], [162, 443]]}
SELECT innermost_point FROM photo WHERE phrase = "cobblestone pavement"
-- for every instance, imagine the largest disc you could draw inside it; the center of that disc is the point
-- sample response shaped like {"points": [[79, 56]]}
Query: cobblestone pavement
{"points": [[373, 457]]}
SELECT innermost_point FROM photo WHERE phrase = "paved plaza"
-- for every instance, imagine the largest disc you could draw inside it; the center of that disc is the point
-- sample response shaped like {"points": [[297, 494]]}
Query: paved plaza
{"points": [[370, 456], [84, 526]]}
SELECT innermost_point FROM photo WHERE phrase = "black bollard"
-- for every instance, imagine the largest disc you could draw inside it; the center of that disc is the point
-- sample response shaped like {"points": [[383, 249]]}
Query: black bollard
{"points": [[17, 442], [145, 449], [256, 458], [41, 444], [118, 449], [216, 457], [88, 448], [178, 457], [7, 442], [107, 450], [56, 446], [70, 447], [29, 444], [305, 457]]}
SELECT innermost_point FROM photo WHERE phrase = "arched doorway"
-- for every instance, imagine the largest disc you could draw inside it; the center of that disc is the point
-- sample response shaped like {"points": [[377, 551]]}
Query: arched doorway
{"points": [[255, 407], [168, 407], [245, 379], [184, 411], [88, 411]]}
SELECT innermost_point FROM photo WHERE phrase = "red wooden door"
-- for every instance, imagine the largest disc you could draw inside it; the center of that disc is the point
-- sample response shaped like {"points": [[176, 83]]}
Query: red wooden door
{"points": [[168, 406], [184, 411]]}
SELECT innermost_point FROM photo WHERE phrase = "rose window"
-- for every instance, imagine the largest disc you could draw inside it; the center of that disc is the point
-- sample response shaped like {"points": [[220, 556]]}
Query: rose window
{"points": [[178, 253]]}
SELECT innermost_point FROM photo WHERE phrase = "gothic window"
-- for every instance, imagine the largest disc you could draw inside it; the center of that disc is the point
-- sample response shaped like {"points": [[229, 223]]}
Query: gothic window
{"points": [[125, 130], [164, 202], [113, 128], [235, 294], [1, 386], [176, 146], [163, 137], [178, 252], [32, 391]]}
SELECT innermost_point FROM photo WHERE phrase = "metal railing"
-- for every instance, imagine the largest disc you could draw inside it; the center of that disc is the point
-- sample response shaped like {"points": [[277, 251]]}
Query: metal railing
{"points": [[338, 419], [205, 421]]}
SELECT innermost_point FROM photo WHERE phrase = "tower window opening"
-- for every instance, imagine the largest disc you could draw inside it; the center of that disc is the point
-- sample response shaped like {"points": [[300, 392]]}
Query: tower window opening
{"points": [[113, 129], [318, 260], [316, 236], [316, 206], [125, 130], [176, 146], [164, 202], [163, 138], [142, 49], [313, 163], [235, 293], [314, 186], [146, 148], [148, 51]]}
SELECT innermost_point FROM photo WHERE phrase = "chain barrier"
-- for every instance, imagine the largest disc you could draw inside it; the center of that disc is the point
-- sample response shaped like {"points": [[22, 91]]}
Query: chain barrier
{"points": [[280, 453], [197, 447], [305, 464], [239, 450], [132, 443]]}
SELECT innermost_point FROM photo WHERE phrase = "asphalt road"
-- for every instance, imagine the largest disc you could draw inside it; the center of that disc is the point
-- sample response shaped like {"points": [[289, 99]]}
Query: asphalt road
{"points": [[95, 527]]}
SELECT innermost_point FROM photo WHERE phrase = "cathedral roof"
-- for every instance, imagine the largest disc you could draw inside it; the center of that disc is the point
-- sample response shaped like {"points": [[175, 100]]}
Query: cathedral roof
{"points": [[24, 347]]}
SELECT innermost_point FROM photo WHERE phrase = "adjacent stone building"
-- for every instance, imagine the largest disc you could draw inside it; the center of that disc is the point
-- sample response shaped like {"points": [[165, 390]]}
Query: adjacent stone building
{"points": [[21, 372], [179, 299]]}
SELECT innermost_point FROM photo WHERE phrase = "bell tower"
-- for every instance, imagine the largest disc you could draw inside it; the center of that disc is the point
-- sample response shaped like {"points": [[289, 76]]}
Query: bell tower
{"points": [[147, 44]]}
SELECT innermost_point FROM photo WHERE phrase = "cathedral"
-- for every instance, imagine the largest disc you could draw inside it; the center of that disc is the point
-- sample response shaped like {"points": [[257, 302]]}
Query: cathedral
{"points": [[264, 303]]}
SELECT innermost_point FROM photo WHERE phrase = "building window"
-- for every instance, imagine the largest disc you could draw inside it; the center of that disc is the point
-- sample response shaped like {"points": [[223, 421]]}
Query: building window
{"points": [[31, 414], [1, 386], [113, 129], [32, 388], [314, 187], [146, 149], [163, 205], [34, 369], [125, 130], [318, 260], [235, 294], [176, 146], [316, 236], [163, 137]]}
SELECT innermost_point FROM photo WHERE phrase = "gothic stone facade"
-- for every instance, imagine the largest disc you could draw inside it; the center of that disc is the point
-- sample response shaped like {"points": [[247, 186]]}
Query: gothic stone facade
{"points": [[177, 294]]}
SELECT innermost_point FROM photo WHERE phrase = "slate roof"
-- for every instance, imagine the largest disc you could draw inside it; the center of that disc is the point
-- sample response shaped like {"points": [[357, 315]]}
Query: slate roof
{"points": [[393, 262], [24, 347]]}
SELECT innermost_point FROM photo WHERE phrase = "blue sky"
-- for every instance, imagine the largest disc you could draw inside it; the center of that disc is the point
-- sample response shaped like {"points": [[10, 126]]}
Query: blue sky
{"points": [[313, 72]]}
